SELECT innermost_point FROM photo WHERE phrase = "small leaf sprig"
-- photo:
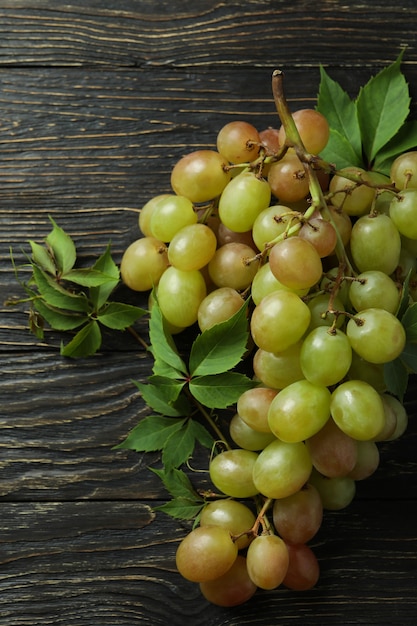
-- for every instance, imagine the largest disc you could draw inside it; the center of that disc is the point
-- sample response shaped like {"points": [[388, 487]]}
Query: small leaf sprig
{"points": [[68, 298]]}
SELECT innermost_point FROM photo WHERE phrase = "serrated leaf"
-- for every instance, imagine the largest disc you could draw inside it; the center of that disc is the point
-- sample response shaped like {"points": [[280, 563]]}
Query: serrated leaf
{"points": [[85, 343], [87, 277], [42, 257], [177, 483], [170, 388], [340, 111], [396, 378], [403, 141], [383, 105], [150, 434], [409, 321], [339, 151], [409, 356], [63, 248], [201, 434], [159, 399], [57, 296], [179, 447], [222, 346], [162, 345], [58, 319], [220, 390], [160, 368], [105, 264], [119, 316], [181, 508]]}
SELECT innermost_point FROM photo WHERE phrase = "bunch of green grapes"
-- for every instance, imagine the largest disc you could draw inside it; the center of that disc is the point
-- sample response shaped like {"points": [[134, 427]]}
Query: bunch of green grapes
{"points": [[323, 256]]}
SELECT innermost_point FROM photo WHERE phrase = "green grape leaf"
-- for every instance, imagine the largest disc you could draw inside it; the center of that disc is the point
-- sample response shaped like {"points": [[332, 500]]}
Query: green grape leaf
{"points": [[396, 378], [105, 264], [42, 257], [151, 434], [85, 343], [58, 319], [222, 346], [118, 315], [177, 483], [181, 508], [339, 151], [340, 111], [409, 356], [403, 141], [87, 277], [219, 391], [161, 398], [55, 295], [62, 247], [162, 345], [405, 296], [160, 368], [201, 434], [179, 446], [409, 321], [383, 105]]}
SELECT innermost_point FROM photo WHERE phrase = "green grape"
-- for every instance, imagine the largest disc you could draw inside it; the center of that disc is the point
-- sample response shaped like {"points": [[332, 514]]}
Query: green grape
{"points": [[407, 264], [146, 212], [246, 437], [312, 127], [376, 335], [253, 406], [355, 199], [279, 320], [200, 176], [403, 172], [403, 212], [267, 561], [264, 283], [400, 415], [206, 553], [390, 418], [297, 518], [192, 247], [375, 243], [271, 223], [299, 410], [233, 588], [143, 263], [281, 469], [367, 461], [296, 263], [242, 201], [372, 373], [319, 306], [270, 140], [332, 451], [374, 289], [287, 179], [232, 515], [231, 472], [303, 568], [336, 493], [326, 356], [321, 233], [357, 409], [233, 265], [218, 306], [238, 141], [341, 221], [280, 369], [226, 235], [170, 215], [180, 294]]}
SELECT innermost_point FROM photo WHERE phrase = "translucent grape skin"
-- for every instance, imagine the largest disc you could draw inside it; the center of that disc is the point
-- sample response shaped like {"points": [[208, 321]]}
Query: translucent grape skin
{"points": [[169, 215], [332, 451], [312, 127], [296, 263], [354, 199], [280, 369], [200, 175], [218, 306], [232, 588], [375, 243], [206, 553], [403, 171], [374, 289], [281, 469], [246, 437], [357, 409], [267, 561], [231, 472], [192, 247], [326, 356], [232, 515], [242, 201], [403, 212], [180, 294], [303, 568], [143, 263], [336, 493], [238, 141], [253, 406], [287, 179], [233, 265], [298, 518], [376, 335]]}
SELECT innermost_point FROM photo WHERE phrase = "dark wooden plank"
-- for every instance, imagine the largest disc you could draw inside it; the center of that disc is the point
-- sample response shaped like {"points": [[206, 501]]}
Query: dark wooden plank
{"points": [[113, 564], [137, 34]]}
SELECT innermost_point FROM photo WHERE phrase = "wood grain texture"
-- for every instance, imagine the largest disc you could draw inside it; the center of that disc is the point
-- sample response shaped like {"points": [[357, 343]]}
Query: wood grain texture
{"points": [[98, 99]]}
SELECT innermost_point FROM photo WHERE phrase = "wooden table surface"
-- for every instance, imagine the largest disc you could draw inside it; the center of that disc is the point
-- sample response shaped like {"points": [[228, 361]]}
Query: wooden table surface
{"points": [[98, 99]]}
